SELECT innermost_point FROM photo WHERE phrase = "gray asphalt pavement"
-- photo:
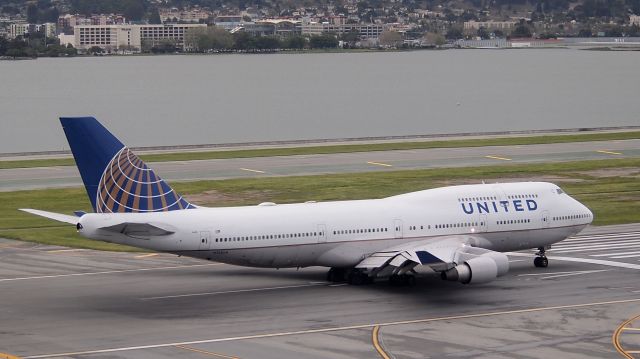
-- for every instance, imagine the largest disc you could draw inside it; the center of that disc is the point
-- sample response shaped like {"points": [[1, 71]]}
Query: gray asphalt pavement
{"points": [[59, 302], [55, 177]]}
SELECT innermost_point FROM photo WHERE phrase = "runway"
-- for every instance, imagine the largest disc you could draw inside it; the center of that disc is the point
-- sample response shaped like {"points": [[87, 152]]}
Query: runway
{"points": [[68, 176], [60, 302]]}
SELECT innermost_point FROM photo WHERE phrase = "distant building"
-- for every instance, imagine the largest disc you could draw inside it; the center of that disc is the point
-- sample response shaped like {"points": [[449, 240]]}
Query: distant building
{"points": [[195, 15], [67, 22], [489, 25], [634, 20], [270, 27], [228, 22], [18, 29], [364, 30], [130, 37]]}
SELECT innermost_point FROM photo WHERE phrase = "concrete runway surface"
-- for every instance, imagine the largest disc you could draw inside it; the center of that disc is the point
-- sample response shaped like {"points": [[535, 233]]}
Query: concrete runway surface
{"points": [[60, 302], [68, 176]]}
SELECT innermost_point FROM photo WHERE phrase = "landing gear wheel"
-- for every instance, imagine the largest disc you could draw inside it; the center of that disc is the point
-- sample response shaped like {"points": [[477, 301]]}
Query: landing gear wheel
{"points": [[402, 280], [335, 275], [541, 262], [358, 278]]}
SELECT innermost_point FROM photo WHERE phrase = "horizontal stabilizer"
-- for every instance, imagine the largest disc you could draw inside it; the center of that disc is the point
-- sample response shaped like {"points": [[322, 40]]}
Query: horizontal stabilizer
{"points": [[51, 215], [138, 229]]}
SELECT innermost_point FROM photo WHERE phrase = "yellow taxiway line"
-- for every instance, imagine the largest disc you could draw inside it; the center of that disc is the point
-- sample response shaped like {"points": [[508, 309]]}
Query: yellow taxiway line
{"points": [[379, 164], [147, 255], [8, 356], [250, 170], [498, 158], [609, 152], [616, 337], [376, 343], [217, 355]]}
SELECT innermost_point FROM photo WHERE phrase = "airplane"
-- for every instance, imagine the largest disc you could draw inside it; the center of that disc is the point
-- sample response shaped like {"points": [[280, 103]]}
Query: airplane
{"points": [[459, 232]]}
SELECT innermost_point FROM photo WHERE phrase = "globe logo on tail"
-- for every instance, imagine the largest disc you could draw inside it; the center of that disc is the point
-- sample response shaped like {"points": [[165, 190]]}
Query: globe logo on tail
{"points": [[129, 185]]}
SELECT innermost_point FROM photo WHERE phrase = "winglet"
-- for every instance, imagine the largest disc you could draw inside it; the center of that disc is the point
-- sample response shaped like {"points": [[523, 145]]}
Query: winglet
{"points": [[51, 215]]}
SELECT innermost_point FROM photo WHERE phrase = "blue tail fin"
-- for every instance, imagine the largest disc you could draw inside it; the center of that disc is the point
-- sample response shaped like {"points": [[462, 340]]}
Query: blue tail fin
{"points": [[116, 179]]}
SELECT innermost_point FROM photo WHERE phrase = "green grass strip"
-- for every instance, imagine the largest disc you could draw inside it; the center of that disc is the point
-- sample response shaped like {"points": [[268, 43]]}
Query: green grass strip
{"points": [[610, 188], [346, 148]]}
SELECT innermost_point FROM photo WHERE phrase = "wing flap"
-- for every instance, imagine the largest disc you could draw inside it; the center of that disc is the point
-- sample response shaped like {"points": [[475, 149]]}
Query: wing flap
{"points": [[139, 229]]}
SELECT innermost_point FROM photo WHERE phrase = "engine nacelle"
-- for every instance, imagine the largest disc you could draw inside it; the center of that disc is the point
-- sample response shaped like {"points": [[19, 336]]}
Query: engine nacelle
{"points": [[481, 269]]}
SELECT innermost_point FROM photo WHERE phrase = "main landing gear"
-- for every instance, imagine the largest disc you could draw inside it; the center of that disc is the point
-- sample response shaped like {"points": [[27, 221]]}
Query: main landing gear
{"points": [[352, 276], [336, 275], [402, 280], [541, 260]]}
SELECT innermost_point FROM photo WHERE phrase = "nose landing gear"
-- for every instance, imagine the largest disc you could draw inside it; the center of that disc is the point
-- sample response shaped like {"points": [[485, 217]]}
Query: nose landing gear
{"points": [[541, 260]]}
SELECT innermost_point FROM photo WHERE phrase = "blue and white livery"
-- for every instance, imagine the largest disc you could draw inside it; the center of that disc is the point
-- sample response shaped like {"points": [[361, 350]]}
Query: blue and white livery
{"points": [[458, 231]]}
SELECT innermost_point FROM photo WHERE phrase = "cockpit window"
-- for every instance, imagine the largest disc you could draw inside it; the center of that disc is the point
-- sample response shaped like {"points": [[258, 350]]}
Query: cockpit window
{"points": [[559, 191]]}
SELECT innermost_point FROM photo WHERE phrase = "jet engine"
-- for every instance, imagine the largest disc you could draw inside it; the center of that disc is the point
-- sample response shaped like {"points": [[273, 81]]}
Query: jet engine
{"points": [[480, 268]]}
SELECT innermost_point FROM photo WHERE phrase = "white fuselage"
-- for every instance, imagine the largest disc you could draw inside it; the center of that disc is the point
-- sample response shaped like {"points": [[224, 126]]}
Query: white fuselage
{"points": [[500, 217]]}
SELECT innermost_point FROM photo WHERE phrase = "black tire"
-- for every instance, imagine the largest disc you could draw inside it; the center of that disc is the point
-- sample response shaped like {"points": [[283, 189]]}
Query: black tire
{"points": [[541, 262], [410, 281], [356, 278]]}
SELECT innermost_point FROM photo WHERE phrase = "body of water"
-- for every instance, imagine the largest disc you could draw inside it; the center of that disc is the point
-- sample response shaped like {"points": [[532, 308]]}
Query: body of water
{"points": [[174, 100]]}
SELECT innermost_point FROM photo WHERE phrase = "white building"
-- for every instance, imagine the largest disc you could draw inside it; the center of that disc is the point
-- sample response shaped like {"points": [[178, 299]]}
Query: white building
{"points": [[130, 37], [365, 30], [489, 25], [18, 29], [634, 20]]}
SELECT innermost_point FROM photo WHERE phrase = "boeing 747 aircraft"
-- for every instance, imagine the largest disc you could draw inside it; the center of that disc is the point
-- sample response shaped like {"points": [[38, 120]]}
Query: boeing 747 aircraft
{"points": [[457, 231]]}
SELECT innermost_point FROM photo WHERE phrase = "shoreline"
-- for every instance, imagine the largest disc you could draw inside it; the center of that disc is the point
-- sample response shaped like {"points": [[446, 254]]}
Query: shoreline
{"points": [[10, 156]]}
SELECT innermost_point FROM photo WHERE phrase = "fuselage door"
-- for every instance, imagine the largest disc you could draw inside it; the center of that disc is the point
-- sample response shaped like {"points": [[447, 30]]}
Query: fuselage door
{"points": [[322, 233], [482, 223], [545, 219], [397, 230], [205, 238]]}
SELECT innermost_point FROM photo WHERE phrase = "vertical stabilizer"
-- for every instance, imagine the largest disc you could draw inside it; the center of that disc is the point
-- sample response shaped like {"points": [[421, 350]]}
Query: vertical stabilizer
{"points": [[115, 178]]}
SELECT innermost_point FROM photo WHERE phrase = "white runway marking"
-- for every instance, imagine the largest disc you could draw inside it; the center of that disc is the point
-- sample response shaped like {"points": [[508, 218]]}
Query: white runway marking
{"points": [[596, 248], [106, 272], [613, 236], [627, 256], [583, 260], [234, 291], [333, 329], [250, 170], [562, 273], [573, 274], [613, 254]]}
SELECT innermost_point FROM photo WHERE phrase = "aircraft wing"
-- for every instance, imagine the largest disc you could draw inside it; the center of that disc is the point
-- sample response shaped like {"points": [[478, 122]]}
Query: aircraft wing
{"points": [[447, 254]]}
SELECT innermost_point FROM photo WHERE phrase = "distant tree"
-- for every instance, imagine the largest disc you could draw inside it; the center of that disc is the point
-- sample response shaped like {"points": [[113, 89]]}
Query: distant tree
{"points": [[94, 50], [324, 41], [434, 39], [154, 16], [268, 43], [246, 18], [613, 31], [633, 30], [585, 32], [210, 38], [242, 40], [454, 33], [390, 38], [32, 14], [522, 30], [133, 9], [498, 33], [295, 42], [483, 33]]}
